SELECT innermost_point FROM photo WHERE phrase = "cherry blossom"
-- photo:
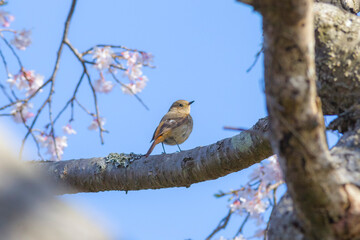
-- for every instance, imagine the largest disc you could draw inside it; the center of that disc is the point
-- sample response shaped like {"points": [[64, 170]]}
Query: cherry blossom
{"points": [[254, 197], [47, 141], [6, 18], [21, 112], [272, 171], [27, 80], [103, 57], [103, 86], [134, 71], [22, 39], [42, 139], [253, 200], [250, 201], [135, 87], [134, 64], [67, 129], [239, 237], [126, 55], [95, 123], [12, 80], [146, 58]]}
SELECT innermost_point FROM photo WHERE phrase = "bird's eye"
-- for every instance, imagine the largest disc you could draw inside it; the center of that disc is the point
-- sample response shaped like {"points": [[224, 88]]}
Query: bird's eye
{"points": [[180, 105]]}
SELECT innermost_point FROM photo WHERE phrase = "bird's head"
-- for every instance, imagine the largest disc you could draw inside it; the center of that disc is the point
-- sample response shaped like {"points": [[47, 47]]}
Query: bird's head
{"points": [[181, 106]]}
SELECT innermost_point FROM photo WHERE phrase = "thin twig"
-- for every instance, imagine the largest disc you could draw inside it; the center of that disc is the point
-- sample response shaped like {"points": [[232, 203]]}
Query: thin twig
{"points": [[79, 57], [111, 65], [31, 127], [134, 94], [71, 99], [52, 80], [12, 50], [109, 45], [242, 225], [257, 56], [84, 108], [96, 106], [222, 224], [56, 68], [261, 134], [222, 194], [32, 134], [8, 74]]}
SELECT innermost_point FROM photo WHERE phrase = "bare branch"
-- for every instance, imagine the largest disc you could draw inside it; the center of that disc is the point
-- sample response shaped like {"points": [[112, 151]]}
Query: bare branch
{"points": [[242, 225], [12, 50], [222, 225]]}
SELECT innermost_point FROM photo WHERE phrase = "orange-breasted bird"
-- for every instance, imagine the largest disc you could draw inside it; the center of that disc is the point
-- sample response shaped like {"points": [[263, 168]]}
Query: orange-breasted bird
{"points": [[175, 127]]}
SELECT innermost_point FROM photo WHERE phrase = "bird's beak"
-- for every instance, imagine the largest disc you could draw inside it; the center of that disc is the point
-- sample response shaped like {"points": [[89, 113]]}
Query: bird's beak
{"points": [[191, 102]]}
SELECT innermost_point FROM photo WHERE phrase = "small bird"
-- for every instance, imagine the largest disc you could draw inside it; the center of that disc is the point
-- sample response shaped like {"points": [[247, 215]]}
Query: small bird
{"points": [[175, 127]]}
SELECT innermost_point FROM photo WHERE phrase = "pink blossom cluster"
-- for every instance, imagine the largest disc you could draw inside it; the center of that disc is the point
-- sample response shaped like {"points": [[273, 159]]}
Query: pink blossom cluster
{"points": [[103, 86], [95, 123], [22, 39], [104, 57], [26, 80], [104, 60], [54, 148], [67, 129], [21, 113], [254, 197], [135, 62], [6, 18]]}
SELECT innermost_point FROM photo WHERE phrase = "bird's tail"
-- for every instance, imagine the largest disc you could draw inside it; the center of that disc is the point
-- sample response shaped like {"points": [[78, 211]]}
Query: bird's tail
{"points": [[152, 147]]}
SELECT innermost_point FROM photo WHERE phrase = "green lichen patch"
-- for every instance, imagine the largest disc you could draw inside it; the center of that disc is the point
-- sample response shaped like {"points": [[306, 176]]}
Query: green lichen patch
{"points": [[122, 159]]}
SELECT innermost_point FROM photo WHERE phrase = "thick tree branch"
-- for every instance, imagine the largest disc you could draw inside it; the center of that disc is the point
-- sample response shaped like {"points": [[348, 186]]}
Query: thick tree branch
{"points": [[285, 224], [296, 121], [162, 171]]}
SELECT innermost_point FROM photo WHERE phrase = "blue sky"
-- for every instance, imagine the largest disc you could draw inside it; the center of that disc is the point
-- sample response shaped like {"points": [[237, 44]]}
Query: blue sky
{"points": [[202, 50]]}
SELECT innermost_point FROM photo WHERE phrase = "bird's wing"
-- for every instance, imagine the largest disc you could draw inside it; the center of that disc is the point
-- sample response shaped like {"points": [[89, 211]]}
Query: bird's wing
{"points": [[168, 124]]}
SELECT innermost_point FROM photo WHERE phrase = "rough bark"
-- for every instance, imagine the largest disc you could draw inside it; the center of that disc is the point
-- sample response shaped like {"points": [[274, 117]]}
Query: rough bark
{"points": [[337, 58], [296, 122], [337, 53], [352, 6], [162, 171], [285, 224]]}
